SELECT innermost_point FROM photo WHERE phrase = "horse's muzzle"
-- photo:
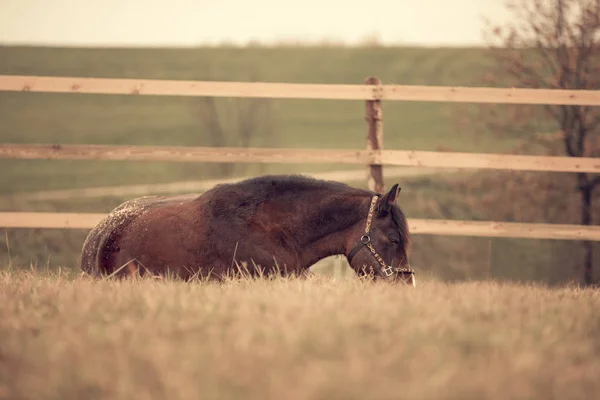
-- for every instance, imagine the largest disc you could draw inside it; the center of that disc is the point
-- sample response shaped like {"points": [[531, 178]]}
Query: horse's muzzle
{"points": [[406, 276]]}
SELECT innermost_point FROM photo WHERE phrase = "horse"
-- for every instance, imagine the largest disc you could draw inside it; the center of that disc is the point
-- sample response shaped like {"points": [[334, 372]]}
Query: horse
{"points": [[269, 224]]}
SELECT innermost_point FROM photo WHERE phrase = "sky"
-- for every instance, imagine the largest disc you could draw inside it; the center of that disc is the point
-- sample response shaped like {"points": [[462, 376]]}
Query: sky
{"points": [[201, 22]]}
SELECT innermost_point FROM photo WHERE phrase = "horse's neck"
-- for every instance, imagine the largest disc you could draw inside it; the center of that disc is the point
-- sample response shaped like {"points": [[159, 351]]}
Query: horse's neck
{"points": [[330, 245], [332, 234]]}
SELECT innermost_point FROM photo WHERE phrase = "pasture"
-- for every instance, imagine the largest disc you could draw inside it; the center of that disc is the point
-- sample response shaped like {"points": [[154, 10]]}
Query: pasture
{"points": [[65, 336], [107, 119], [488, 319]]}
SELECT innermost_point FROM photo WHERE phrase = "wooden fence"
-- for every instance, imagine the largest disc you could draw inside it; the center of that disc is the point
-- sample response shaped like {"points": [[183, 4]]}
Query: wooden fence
{"points": [[372, 92], [366, 91]]}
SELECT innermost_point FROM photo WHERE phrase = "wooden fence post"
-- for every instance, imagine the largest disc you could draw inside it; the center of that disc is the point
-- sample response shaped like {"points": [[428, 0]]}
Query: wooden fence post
{"points": [[374, 116]]}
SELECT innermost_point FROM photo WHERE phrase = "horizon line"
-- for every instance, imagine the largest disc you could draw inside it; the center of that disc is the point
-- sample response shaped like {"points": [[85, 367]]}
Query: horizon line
{"points": [[250, 44]]}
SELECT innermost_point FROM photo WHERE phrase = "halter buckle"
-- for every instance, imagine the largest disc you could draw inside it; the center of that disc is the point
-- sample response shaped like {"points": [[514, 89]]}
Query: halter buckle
{"points": [[365, 239], [388, 271]]}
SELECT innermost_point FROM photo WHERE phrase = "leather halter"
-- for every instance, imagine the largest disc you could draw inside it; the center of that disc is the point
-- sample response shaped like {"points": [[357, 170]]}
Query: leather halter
{"points": [[386, 271]]}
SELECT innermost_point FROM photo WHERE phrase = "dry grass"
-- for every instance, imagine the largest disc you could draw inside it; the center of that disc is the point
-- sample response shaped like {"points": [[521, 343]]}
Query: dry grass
{"points": [[73, 338]]}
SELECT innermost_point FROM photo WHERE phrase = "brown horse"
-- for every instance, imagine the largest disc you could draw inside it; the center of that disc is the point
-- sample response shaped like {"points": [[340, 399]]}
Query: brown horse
{"points": [[267, 224]]}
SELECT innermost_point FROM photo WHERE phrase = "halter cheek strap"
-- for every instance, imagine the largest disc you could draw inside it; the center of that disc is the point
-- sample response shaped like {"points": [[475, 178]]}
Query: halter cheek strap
{"points": [[365, 241]]}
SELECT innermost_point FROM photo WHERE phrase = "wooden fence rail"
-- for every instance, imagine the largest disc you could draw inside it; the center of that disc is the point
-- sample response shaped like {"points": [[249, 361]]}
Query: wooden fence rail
{"points": [[19, 83], [431, 159], [416, 226]]}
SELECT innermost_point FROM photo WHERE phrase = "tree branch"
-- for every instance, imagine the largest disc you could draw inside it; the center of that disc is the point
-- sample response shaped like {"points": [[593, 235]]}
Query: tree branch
{"points": [[566, 123], [547, 59], [580, 129], [594, 182]]}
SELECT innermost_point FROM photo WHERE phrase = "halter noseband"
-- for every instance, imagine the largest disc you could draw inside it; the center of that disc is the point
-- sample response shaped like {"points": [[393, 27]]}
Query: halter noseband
{"points": [[365, 241]]}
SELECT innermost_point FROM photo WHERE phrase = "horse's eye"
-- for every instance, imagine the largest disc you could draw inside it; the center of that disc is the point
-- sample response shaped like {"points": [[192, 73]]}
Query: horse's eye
{"points": [[393, 239]]}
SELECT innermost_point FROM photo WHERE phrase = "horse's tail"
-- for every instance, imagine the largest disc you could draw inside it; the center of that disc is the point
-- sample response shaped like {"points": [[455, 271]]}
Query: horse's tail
{"points": [[96, 252], [103, 241], [87, 260]]}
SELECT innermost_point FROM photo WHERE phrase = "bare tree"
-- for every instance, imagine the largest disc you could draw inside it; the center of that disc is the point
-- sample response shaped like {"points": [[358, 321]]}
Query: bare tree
{"points": [[235, 122], [552, 44], [209, 115]]}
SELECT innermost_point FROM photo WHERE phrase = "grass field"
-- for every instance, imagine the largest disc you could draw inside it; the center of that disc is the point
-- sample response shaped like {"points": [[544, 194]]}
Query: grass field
{"points": [[71, 338]]}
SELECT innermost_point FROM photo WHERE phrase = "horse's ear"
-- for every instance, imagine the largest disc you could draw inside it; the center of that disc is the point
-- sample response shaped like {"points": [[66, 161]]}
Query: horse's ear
{"points": [[390, 197]]}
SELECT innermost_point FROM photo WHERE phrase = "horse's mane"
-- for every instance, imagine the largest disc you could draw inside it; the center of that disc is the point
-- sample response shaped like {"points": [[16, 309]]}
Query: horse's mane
{"points": [[244, 197], [284, 184], [255, 191]]}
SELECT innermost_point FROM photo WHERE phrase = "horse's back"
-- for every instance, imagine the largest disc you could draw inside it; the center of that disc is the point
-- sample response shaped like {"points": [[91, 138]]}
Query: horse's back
{"points": [[102, 241]]}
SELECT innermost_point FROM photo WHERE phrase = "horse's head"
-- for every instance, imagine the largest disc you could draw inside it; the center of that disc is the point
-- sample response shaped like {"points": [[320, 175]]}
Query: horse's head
{"points": [[382, 241]]}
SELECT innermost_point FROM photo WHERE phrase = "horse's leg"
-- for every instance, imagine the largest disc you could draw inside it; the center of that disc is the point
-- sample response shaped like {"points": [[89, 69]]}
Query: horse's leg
{"points": [[132, 269]]}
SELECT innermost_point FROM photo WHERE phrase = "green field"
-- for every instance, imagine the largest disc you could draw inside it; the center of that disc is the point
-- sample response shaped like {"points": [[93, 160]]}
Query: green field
{"points": [[148, 120], [107, 119], [72, 338]]}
